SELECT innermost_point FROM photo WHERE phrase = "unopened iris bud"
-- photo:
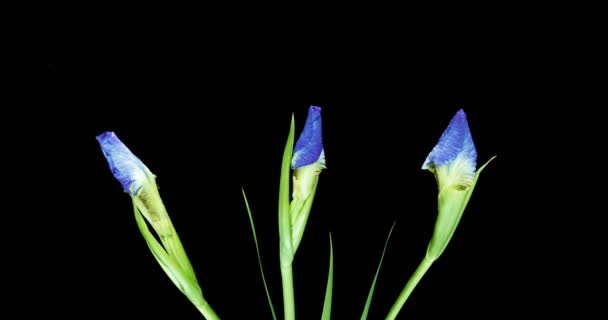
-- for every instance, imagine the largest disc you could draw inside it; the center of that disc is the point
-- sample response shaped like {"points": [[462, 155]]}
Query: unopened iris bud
{"points": [[307, 162], [453, 162], [125, 166], [137, 180], [308, 156]]}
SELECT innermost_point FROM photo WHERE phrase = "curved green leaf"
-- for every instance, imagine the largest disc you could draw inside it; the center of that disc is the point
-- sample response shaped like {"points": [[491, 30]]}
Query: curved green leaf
{"points": [[330, 283], [371, 290], [257, 249]]}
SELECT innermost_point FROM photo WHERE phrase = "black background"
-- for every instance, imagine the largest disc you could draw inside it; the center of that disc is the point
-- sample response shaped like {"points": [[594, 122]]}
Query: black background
{"points": [[208, 128]]}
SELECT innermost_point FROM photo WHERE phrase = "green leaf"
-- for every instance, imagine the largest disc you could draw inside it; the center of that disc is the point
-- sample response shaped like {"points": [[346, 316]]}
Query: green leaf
{"points": [[299, 219], [176, 250], [188, 286], [167, 263], [452, 204], [257, 249], [371, 290], [286, 249], [470, 192], [330, 283], [152, 208], [287, 252]]}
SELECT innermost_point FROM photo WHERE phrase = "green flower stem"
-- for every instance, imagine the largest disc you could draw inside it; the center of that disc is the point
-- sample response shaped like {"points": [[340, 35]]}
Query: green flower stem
{"points": [[423, 267], [288, 296], [206, 310]]}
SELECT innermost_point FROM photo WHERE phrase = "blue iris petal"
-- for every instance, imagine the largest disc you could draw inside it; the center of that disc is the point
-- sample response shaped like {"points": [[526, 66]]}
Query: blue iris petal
{"points": [[455, 140], [125, 166], [309, 146]]}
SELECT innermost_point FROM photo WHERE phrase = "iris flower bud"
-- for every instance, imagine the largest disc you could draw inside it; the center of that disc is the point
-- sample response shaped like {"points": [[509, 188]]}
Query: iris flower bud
{"points": [[137, 180], [453, 162]]}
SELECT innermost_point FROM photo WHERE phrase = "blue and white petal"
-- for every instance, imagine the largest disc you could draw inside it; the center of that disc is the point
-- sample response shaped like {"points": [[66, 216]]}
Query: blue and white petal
{"points": [[125, 166], [309, 147], [454, 158]]}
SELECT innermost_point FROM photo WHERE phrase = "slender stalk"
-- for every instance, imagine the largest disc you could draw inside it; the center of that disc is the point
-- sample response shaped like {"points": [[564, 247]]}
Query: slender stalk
{"points": [[289, 304], [423, 267], [206, 310]]}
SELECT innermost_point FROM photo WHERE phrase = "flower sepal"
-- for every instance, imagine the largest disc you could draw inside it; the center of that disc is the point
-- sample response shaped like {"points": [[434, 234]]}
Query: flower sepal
{"points": [[452, 202]]}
